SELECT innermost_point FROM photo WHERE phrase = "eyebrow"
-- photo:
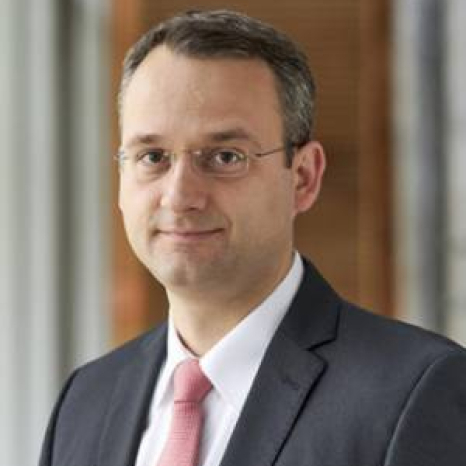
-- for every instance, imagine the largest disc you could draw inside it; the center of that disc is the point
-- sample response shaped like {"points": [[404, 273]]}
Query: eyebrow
{"points": [[145, 139], [233, 134]]}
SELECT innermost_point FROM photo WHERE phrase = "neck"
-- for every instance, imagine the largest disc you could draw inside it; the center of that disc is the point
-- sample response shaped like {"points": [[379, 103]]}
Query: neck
{"points": [[204, 319]]}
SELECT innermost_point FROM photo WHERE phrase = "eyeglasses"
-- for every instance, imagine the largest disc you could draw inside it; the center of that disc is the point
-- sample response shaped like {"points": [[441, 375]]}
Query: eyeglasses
{"points": [[222, 162]]}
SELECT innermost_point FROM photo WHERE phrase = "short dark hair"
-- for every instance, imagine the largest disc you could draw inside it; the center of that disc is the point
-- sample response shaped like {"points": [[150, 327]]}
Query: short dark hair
{"points": [[228, 34]]}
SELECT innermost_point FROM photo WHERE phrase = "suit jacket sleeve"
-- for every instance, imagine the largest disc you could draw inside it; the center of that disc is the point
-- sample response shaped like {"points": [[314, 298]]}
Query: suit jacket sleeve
{"points": [[431, 430]]}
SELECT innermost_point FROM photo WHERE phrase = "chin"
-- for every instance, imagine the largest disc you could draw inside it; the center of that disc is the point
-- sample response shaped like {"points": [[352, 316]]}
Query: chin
{"points": [[177, 271], [181, 277]]}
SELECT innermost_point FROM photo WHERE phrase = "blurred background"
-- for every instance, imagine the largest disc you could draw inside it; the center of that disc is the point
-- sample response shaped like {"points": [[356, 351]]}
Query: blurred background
{"points": [[389, 231]]}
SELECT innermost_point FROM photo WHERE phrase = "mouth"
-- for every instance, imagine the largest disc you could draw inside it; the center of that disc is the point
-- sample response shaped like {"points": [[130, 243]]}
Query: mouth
{"points": [[189, 235]]}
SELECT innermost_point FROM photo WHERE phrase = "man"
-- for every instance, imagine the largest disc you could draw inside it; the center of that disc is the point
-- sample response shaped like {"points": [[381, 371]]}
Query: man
{"points": [[216, 161]]}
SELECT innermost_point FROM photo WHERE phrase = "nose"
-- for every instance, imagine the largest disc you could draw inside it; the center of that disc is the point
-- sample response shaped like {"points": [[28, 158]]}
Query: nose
{"points": [[183, 188]]}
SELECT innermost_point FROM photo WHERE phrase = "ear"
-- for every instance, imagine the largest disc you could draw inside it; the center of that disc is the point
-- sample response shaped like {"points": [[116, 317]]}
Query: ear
{"points": [[308, 166]]}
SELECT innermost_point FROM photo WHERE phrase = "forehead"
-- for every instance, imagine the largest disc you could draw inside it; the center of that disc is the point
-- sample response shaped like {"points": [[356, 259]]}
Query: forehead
{"points": [[170, 92]]}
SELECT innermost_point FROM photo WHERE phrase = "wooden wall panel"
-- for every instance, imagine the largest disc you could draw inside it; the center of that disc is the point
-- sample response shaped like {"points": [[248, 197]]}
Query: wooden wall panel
{"points": [[347, 233], [137, 300], [375, 231]]}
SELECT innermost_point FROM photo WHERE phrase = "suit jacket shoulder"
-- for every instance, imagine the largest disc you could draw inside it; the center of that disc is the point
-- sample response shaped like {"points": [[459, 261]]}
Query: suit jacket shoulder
{"points": [[373, 345], [101, 412]]}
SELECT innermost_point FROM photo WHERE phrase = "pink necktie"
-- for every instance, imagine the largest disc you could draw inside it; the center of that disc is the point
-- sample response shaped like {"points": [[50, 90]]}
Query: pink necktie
{"points": [[191, 386]]}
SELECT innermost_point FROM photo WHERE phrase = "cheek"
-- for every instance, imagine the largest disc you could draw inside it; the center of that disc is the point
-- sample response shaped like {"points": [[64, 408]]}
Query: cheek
{"points": [[280, 200], [137, 205], [268, 211]]}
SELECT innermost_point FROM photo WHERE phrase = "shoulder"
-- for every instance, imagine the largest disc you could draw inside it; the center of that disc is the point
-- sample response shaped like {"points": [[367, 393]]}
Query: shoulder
{"points": [[356, 334], [100, 375], [390, 338], [391, 357], [121, 379]]}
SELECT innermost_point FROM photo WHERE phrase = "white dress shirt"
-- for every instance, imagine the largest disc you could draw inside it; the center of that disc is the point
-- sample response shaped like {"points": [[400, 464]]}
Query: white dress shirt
{"points": [[231, 365]]}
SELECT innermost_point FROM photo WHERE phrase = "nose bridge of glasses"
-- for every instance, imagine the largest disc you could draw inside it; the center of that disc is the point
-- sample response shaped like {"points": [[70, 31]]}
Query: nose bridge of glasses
{"points": [[184, 187], [185, 159]]}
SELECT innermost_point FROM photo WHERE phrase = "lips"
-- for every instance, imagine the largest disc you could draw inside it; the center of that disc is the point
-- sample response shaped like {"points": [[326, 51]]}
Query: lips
{"points": [[189, 235], [169, 231]]}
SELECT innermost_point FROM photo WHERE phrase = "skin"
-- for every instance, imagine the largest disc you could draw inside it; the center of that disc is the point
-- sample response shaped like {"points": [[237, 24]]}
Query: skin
{"points": [[218, 246]]}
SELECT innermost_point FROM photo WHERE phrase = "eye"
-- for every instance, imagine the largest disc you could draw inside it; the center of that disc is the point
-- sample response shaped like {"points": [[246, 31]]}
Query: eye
{"points": [[153, 157], [222, 161], [152, 162], [227, 157]]}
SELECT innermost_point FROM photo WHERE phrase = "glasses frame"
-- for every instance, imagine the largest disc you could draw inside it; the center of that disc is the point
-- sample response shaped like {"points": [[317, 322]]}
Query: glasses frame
{"points": [[120, 157]]}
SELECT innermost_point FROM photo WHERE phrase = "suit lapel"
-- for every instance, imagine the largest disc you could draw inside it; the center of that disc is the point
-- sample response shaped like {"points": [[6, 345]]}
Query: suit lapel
{"points": [[273, 404], [128, 410], [289, 372]]}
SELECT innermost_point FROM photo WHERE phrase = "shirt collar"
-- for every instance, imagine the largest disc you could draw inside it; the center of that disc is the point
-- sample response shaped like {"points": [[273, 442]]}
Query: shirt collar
{"points": [[232, 363], [176, 353]]}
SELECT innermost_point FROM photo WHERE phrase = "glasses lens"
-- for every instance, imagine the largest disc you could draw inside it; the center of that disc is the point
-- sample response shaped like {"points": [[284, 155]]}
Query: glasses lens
{"points": [[153, 163], [222, 162]]}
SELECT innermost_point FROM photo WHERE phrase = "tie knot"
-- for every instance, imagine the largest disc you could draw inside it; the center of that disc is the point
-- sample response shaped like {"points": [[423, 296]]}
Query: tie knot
{"points": [[191, 384]]}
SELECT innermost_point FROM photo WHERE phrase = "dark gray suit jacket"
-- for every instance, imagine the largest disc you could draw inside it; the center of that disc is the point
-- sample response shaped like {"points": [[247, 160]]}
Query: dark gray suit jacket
{"points": [[338, 386]]}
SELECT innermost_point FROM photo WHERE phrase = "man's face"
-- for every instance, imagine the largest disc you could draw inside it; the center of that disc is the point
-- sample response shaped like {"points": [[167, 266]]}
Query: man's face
{"points": [[197, 233]]}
